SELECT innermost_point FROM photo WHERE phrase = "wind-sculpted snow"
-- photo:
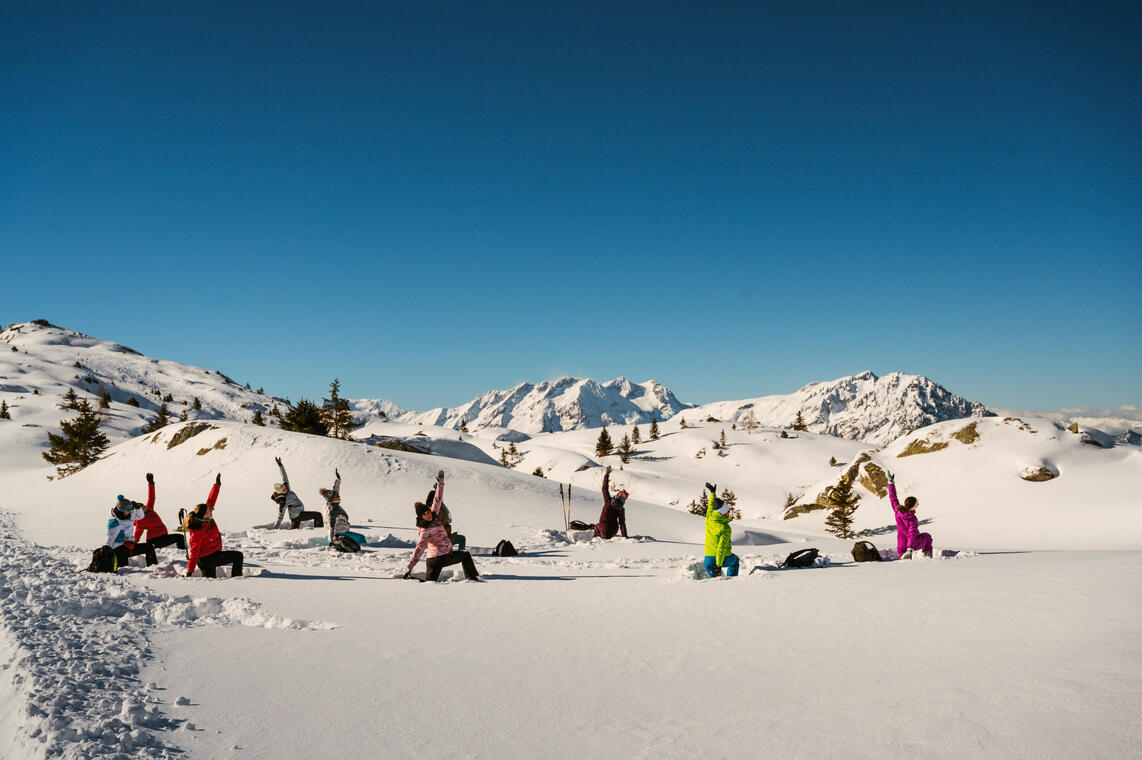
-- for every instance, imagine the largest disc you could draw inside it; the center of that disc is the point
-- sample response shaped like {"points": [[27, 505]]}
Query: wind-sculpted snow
{"points": [[74, 646]]}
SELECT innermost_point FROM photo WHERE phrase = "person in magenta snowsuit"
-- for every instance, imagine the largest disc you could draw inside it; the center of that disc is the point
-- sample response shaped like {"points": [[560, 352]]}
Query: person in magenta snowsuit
{"points": [[908, 535], [613, 518]]}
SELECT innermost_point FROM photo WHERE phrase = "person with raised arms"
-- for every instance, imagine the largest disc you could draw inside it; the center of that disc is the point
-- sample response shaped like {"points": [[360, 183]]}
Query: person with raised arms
{"points": [[287, 500], [909, 539], [205, 540], [153, 526], [719, 553], [432, 539]]}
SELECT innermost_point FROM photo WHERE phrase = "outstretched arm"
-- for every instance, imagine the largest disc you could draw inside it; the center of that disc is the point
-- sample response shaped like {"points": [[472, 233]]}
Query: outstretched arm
{"points": [[607, 484], [337, 483], [150, 491], [438, 498], [213, 497], [281, 468]]}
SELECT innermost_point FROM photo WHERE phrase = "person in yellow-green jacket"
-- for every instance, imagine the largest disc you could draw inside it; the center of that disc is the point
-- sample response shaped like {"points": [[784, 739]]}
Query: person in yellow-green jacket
{"points": [[718, 554]]}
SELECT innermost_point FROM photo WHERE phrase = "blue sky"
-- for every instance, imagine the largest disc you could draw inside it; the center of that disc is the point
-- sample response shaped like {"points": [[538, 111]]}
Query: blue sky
{"points": [[430, 200]]}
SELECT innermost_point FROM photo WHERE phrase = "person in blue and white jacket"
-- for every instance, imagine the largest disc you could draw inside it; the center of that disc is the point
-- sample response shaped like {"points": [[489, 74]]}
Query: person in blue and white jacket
{"points": [[121, 532]]}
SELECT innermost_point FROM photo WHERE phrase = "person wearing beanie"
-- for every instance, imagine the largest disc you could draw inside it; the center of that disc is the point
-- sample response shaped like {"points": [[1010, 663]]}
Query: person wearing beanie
{"points": [[432, 540], [336, 515], [205, 540], [121, 532], [613, 518], [286, 499], [718, 550], [457, 540], [909, 539], [152, 525]]}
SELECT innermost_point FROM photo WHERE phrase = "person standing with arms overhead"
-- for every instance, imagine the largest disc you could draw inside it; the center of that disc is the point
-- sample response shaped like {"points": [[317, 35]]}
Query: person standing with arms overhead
{"points": [[718, 551], [206, 541], [286, 499], [151, 524], [613, 518]]}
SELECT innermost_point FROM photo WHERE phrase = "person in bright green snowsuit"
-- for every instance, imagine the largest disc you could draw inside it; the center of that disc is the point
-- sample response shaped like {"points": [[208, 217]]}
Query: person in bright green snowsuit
{"points": [[718, 550]]}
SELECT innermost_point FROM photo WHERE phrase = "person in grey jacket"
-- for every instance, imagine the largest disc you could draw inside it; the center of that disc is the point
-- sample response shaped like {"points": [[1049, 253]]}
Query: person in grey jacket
{"points": [[335, 514], [286, 499]]}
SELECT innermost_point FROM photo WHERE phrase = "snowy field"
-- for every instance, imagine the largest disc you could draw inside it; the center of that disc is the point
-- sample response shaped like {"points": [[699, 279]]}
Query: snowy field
{"points": [[1022, 638]]}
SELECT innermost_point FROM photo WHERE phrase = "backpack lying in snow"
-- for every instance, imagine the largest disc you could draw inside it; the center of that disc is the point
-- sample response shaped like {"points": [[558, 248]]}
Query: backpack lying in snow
{"points": [[504, 549], [801, 558], [864, 551], [103, 560], [343, 543]]}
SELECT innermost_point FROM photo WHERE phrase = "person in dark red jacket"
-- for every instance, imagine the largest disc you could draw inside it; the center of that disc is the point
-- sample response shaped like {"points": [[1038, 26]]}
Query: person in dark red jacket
{"points": [[206, 541], [613, 518], [151, 524]]}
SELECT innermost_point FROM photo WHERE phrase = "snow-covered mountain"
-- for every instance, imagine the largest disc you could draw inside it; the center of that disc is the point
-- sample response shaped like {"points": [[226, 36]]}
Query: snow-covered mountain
{"points": [[862, 407], [40, 363], [569, 403]]}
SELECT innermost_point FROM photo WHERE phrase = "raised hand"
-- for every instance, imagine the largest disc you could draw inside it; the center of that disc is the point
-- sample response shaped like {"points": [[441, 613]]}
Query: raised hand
{"points": [[891, 477], [278, 460], [440, 477], [337, 473], [218, 478], [150, 478], [711, 489]]}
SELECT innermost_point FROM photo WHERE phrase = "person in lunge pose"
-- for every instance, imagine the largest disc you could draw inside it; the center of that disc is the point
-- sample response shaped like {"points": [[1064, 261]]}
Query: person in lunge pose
{"points": [[613, 518], [718, 550], [206, 541], [338, 519], [446, 520], [288, 500], [121, 532], [434, 538], [909, 539], [151, 524]]}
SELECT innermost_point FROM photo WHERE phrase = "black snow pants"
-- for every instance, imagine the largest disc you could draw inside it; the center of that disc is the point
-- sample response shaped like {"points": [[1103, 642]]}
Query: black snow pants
{"points": [[436, 564], [211, 562], [318, 522], [167, 539], [122, 553]]}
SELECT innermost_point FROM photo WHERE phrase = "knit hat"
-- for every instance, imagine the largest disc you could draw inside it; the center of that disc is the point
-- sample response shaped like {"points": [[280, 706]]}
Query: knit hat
{"points": [[721, 507]]}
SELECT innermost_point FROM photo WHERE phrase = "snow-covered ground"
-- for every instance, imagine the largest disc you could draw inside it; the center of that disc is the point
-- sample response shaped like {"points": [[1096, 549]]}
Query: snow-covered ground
{"points": [[1020, 639]]}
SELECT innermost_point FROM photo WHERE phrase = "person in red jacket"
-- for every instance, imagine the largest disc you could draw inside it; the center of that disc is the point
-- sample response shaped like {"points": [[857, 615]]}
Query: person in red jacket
{"points": [[206, 541], [613, 518], [151, 524]]}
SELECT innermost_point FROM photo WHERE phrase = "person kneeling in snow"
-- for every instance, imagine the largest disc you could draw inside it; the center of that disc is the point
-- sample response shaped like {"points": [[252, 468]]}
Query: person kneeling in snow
{"points": [[613, 518], [121, 532], [151, 524], [718, 550], [340, 530], [434, 538], [908, 535], [286, 499], [206, 541]]}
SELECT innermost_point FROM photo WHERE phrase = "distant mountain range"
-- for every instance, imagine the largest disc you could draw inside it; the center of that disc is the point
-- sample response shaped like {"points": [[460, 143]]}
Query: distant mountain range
{"points": [[47, 359]]}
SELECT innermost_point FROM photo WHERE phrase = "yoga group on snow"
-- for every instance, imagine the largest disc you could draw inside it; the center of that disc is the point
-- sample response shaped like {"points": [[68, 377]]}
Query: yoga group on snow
{"points": [[436, 541]]}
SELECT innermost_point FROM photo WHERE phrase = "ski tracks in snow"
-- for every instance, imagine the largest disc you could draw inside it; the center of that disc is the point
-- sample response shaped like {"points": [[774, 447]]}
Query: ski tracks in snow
{"points": [[72, 646]]}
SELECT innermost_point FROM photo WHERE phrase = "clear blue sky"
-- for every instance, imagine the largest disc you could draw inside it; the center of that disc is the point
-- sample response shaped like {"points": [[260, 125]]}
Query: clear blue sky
{"points": [[430, 200]]}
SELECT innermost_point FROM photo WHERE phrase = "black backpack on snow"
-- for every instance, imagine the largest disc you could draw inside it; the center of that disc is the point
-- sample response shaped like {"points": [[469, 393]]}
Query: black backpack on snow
{"points": [[864, 551], [103, 560], [800, 558], [504, 549]]}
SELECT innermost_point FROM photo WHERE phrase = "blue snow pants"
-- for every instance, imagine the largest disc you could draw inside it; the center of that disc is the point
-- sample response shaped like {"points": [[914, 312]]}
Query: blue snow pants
{"points": [[731, 565]]}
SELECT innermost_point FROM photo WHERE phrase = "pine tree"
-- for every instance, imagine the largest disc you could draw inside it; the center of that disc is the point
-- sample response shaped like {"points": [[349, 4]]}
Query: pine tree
{"points": [[133, 402], [305, 417], [682, 424], [104, 399], [604, 446], [81, 442], [258, 419], [538, 472], [654, 428], [463, 426], [275, 412], [749, 422], [169, 398], [161, 419], [832, 461], [337, 414], [4, 413], [184, 416], [722, 439], [71, 400], [842, 507], [513, 452], [784, 434], [635, 436], [625, 449], [504, 458], [799, 422]]}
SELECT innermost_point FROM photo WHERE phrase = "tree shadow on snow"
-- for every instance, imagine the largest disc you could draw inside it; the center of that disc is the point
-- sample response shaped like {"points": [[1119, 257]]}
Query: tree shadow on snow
{"points": [[887, 529]]}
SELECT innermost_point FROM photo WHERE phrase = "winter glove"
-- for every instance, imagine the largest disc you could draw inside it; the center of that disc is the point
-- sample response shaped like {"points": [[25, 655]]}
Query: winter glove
{"points": [[218, 478], [440, 477], [150, 478], [608, 468], [337, 473], [278, 460], [407, 575], [711, 489], [891, 477]]}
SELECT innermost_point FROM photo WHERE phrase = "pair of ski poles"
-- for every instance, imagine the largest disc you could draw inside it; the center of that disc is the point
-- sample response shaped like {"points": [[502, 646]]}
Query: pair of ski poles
{"points": [[566, 506]]}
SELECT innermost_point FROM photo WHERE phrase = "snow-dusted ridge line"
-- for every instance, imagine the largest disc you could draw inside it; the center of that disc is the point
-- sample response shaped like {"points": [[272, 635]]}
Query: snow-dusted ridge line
{"points": [[74, 645]]}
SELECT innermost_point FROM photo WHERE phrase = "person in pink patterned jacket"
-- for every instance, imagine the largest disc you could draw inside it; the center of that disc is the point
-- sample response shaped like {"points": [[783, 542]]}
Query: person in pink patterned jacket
{"points": [[909, 539], [433, 540]]}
